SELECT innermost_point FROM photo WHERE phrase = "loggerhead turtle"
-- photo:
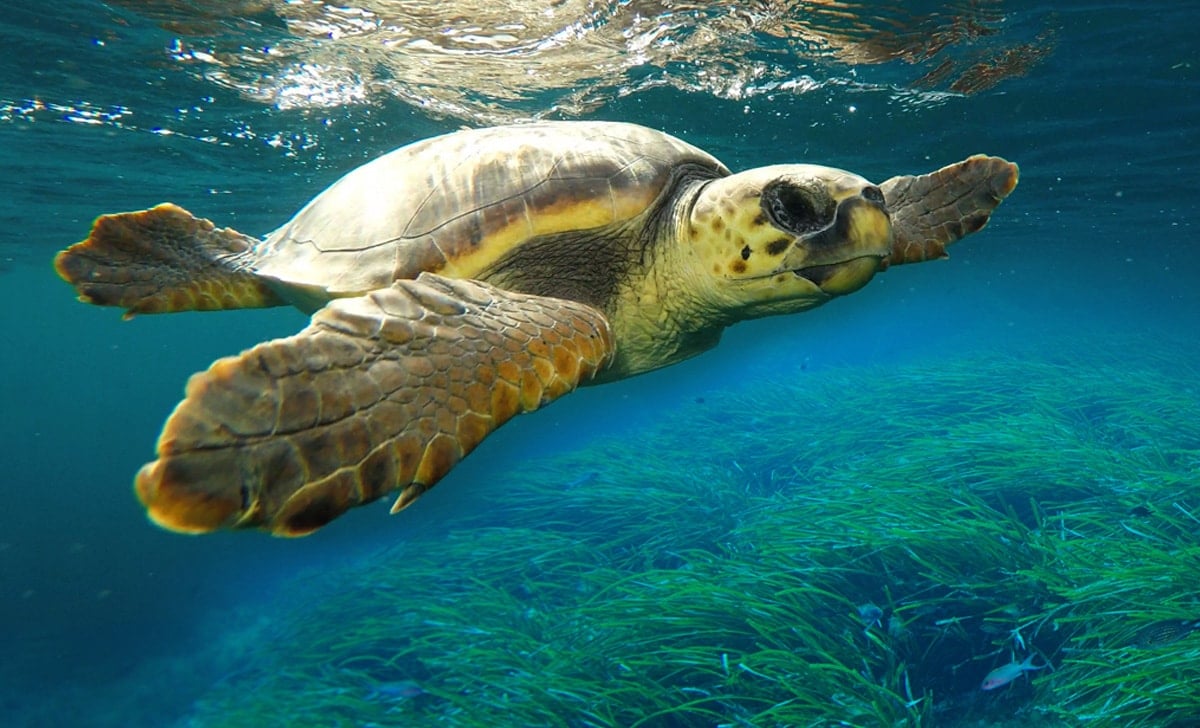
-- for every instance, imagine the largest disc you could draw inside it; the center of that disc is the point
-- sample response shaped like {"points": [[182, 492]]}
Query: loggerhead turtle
{"points": [[470, 277]]}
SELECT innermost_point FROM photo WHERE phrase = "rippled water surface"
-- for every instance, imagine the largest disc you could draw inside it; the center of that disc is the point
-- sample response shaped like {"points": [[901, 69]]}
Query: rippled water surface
{"points": [[242, 110]]}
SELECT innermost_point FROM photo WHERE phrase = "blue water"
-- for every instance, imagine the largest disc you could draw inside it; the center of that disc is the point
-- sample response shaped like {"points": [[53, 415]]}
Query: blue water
{"points": [[114, 106]]}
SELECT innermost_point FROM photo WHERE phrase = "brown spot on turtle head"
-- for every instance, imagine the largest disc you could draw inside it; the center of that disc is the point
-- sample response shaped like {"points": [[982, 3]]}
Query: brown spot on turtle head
{"points": [[738, 266], [778, 245]]}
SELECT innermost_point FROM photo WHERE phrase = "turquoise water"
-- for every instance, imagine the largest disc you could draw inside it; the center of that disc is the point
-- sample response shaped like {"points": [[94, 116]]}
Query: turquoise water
{"points": [[243, 117]]}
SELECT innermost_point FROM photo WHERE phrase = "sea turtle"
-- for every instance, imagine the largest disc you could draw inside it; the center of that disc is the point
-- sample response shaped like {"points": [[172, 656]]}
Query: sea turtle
{"points": [[470, 277]]}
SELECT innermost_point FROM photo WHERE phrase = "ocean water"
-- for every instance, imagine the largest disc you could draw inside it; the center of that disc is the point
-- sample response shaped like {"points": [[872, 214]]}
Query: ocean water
{"points": [[242, 111]]}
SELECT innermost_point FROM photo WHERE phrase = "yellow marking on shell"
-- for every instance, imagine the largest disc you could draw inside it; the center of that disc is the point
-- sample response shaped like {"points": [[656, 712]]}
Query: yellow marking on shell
{"points": [[564, 213]]}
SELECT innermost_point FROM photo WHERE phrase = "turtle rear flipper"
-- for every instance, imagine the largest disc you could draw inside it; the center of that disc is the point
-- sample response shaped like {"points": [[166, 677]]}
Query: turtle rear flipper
{"points": [[163, 260], [380, 392], [931, 211]]}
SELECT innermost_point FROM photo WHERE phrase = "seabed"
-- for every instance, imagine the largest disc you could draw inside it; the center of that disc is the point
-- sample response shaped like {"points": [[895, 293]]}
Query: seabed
{"points": [[843, 547]]}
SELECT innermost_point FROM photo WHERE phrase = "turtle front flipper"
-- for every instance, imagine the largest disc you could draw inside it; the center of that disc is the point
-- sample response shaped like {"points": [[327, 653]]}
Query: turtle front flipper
{"points": [[381, 392], [162, 260], [933, 210]]}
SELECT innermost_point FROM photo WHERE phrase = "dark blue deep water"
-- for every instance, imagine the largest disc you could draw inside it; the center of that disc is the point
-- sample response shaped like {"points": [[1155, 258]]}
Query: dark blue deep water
{"points": [[242, 111]]}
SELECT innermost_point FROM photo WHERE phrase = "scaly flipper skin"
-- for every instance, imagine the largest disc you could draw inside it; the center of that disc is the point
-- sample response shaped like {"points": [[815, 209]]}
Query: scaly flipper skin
{"points": [[384, 391], [931, 211], [163, 260]]}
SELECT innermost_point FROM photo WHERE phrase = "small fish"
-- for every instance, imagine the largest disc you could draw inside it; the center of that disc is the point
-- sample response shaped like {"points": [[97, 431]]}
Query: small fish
{"points": [[1005, 674], [582, 480], [394, 691], [1158, 634], [870, 614]]}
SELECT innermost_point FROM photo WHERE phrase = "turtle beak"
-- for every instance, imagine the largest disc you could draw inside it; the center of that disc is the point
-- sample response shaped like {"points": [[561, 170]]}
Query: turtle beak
{"points": [[843, 257]]}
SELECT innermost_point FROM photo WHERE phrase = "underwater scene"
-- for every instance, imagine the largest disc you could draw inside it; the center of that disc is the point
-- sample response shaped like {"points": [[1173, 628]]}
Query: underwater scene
{"points": [[966, 493]]}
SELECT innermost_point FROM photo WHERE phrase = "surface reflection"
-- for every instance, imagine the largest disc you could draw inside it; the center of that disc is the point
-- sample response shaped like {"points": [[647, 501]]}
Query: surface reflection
{"points": [[497, 60]]}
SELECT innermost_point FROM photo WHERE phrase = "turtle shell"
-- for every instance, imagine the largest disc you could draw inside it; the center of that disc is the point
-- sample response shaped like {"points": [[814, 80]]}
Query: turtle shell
{"points": [[455, 204]]}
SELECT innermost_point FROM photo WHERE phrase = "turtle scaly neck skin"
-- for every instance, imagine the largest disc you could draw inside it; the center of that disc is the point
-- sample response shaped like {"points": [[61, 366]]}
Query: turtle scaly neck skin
{"points": [[663, 312]]}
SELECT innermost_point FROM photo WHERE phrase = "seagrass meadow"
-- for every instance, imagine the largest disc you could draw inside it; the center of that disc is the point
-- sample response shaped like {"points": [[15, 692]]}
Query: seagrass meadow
{"points": [[721, 568]]}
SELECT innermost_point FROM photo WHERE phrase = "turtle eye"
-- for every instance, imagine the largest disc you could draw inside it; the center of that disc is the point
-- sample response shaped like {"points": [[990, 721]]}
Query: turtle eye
{"points": [[797, 209]]}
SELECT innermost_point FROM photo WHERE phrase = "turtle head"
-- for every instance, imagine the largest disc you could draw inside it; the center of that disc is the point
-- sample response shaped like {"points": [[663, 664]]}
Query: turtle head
{"points": [[786, 238]]}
